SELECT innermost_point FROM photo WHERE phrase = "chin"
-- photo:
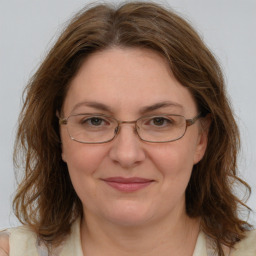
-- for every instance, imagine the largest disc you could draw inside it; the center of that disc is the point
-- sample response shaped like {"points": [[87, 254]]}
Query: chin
{"points": [[128, 214]]}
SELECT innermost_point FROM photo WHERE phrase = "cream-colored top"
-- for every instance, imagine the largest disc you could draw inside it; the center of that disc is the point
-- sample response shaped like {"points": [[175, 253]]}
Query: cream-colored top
{"points": [[24, 242]]}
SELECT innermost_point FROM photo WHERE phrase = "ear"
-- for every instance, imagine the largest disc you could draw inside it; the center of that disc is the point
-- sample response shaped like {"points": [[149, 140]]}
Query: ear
{"points": [[63, 156], [202, 138], [62, 152]]}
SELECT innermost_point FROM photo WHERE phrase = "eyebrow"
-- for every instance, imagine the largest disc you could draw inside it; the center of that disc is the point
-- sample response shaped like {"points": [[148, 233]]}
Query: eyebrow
{"points": [[142, 111], [92, 104], [159, 105]]}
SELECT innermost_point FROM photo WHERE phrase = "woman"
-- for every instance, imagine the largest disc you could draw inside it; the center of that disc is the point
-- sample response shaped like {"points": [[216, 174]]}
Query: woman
{"points": [[129, 143]]}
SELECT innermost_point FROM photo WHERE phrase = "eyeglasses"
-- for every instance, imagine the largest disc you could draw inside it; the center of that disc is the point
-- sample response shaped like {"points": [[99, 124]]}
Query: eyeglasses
{"points": [[99, 128]]}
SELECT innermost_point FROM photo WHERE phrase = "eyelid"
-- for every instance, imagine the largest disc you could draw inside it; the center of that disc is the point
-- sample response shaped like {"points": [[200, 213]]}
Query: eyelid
{"points": [[165, 118], [101, 115], [104, 118], [91, 115], [163, 115]]}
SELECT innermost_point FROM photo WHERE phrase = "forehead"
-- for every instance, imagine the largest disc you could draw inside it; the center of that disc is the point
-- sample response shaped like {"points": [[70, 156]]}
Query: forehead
{"points": [[127, 79]]}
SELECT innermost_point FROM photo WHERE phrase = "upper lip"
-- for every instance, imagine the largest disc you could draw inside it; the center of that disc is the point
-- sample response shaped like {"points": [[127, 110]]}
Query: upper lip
{"points": [[127, 180]]}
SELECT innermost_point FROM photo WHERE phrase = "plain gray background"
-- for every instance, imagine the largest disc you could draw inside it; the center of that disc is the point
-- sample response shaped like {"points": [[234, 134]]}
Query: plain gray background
{"points": [[28, 28]]}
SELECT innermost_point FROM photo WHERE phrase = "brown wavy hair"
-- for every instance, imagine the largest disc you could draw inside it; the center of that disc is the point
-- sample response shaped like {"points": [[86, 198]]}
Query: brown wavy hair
{"points": [[46, 199]]}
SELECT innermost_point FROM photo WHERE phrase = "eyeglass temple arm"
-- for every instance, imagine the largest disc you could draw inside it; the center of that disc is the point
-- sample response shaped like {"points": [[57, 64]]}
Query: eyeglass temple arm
{"points": [[193, 120], [62, 121]]}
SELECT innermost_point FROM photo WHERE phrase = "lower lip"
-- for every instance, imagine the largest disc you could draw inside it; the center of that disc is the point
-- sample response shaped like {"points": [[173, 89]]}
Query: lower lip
{"points": [[128, 187]]}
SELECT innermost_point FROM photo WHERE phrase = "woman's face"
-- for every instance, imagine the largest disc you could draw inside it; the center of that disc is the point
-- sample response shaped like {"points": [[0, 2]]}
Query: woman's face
{"points": [[123, 83]]}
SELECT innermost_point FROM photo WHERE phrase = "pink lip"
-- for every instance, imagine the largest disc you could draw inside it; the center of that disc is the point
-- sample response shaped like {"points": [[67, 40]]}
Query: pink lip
{"points": [[128, 184]]}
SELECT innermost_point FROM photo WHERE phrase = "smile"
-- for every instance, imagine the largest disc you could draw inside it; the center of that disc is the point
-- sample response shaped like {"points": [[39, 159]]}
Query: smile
{"points": [[127, 184]]}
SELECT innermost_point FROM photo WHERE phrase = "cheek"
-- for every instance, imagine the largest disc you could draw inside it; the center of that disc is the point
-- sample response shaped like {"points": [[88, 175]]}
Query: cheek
{"points": [[81, 158], [174, 163], [83, 161], [173, 158]]}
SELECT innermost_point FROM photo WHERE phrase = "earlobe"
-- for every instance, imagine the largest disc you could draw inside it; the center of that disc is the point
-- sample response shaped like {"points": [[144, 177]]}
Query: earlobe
{"points": [[63, 156], [62, 153], [201, 147]]}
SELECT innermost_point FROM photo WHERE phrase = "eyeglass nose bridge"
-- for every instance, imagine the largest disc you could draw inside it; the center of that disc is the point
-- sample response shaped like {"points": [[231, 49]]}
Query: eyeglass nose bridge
{"points": [[118, 128]]}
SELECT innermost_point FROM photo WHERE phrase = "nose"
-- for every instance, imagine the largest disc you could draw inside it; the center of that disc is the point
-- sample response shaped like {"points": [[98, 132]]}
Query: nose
{"points": [[127, 150]]}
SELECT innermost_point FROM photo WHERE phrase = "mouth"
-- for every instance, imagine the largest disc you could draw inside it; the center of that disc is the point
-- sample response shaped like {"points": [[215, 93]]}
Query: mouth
{"points": [[128, 184]]}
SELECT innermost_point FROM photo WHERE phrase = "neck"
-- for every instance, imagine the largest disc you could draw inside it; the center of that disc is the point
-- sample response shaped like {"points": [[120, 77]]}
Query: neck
{"points": [[164, 238]]}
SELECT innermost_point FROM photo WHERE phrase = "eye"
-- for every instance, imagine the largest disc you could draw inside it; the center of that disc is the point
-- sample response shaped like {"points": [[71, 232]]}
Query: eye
{"points": [[160, 121], [94, 121]]}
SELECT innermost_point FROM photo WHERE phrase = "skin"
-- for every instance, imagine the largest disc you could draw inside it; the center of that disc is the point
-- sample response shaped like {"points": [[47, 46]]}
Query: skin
{"points": [[142, 222], [4, 244]]}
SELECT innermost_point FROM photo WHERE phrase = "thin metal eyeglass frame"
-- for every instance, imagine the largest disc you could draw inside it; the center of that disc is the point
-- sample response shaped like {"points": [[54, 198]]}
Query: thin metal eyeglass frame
{"points": [[189, 122]]}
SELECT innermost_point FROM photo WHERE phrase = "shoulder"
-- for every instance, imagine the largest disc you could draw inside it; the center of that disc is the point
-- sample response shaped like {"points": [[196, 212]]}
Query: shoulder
{"points": [[4, 243], [18, 240], [246, 247]]}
